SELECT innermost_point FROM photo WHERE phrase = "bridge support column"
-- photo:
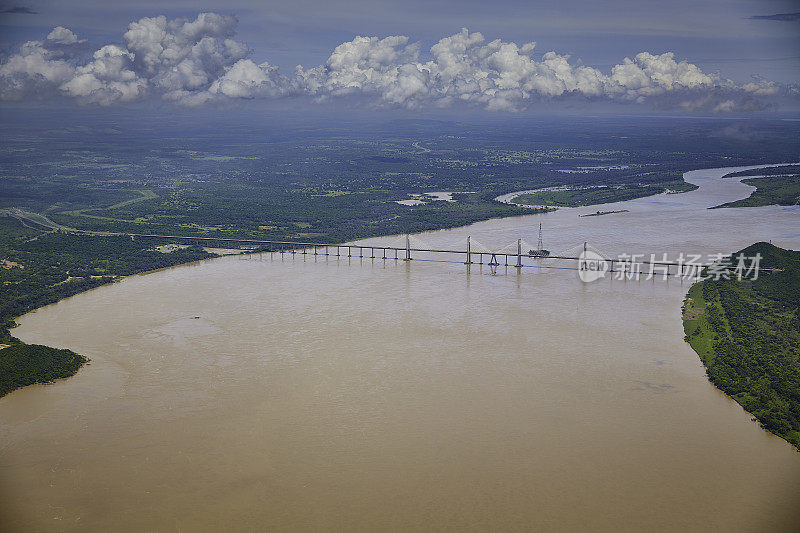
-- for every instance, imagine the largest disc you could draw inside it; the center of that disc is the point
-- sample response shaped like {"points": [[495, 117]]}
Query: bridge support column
{"points": [[469, 254], [408, 248], [519, 253]]}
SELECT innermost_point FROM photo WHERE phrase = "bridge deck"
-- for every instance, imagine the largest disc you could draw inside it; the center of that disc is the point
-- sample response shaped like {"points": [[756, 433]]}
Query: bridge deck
{"points": [[302, 247]]}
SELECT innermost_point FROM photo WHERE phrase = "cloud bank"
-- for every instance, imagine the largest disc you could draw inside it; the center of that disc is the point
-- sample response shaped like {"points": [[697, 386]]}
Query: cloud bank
{"points": [[19, 10], [198, 62], [783, 17]]}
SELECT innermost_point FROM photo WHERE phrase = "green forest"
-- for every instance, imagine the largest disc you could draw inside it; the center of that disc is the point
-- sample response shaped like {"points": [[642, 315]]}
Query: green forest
{"points": [[26, 364], [41, 268], [602, 195], [747, 333], [320, 181], [771, 190]]}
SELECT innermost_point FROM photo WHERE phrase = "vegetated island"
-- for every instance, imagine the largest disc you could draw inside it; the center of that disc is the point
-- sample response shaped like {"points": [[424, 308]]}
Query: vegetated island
{"points": [[583, 196], [765, 171], [601, 213], [747, 333]]}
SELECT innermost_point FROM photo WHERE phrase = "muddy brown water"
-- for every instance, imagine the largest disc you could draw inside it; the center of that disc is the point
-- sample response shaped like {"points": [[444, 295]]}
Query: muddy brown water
{"points": [[356, 394]]}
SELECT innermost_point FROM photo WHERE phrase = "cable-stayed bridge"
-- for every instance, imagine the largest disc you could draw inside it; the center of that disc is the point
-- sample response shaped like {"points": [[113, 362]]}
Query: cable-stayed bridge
{"points": [[409, 247], [517, 254]]}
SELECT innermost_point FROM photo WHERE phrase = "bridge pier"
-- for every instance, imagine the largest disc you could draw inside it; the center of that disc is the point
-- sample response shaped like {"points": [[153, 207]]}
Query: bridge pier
{"points": [[627, 269]]}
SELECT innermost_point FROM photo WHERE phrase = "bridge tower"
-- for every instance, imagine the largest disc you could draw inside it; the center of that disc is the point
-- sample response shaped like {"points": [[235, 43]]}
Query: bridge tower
{"points": [[539, 244], [469, 254], [519, 253], [408, 248]]}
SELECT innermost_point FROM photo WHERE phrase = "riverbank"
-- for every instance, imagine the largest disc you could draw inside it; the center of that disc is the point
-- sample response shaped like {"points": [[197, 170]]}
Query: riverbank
{"points": [[570, 196], [365, 389], [85, 262], [28, 364], [747, 335], [41, 267], [770, 190]]}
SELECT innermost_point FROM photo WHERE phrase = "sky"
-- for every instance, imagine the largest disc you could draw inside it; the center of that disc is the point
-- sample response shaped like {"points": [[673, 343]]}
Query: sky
{"points": [[504, 56]]}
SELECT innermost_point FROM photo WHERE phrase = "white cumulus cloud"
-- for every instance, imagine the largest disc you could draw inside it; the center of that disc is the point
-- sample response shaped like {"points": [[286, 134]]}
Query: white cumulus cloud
{"points": [[62, 35], [199, 61]]}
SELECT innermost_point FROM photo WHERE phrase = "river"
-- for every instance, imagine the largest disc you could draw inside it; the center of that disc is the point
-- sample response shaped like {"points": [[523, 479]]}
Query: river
{"points": [[293, 394]]}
